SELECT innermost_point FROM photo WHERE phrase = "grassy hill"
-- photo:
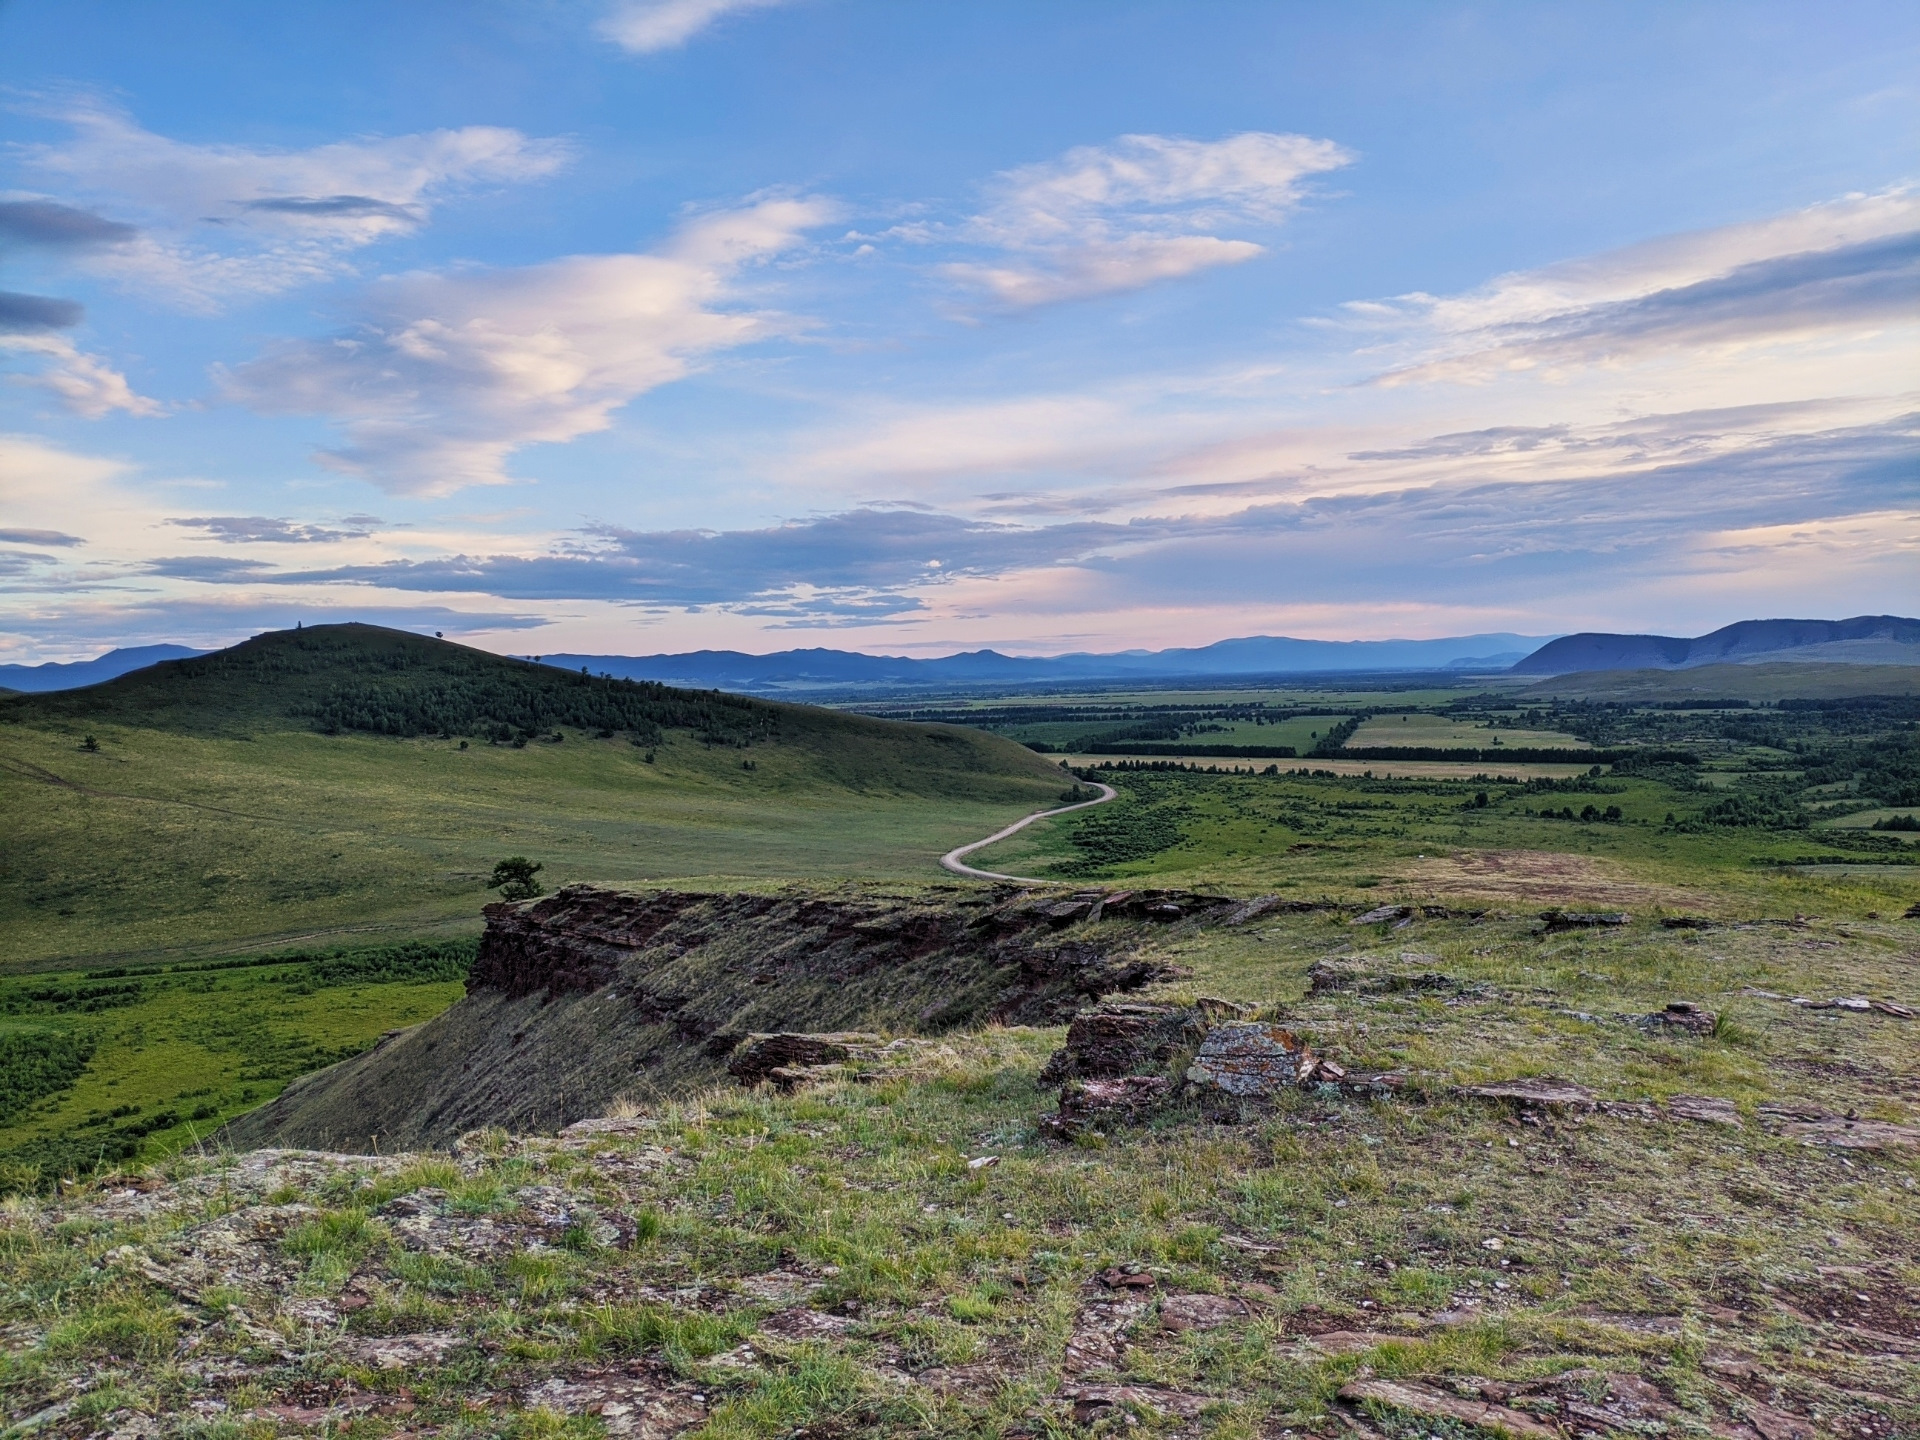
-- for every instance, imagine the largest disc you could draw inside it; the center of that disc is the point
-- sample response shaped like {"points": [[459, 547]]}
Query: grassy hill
{"points": [[349, 779]]}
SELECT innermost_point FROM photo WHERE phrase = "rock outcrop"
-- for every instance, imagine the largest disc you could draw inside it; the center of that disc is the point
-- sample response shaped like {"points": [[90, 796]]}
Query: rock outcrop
{"points": [[595, 992]]}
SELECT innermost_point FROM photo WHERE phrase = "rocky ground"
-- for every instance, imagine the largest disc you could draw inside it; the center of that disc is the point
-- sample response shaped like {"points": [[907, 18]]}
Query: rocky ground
{"points": [[1406, 1175]]}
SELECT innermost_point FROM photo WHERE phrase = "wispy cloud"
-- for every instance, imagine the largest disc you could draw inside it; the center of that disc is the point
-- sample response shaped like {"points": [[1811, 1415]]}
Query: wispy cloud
{"points": [[450, 374], [1849, 264], [226, 221], [84, 383], [265, 529], [646, 26], [1103, 219]]}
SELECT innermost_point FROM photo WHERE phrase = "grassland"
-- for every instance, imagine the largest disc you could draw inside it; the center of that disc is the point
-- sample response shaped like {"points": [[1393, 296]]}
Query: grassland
{"points": [[1345, 837], [209, 815], [845, 1261]]}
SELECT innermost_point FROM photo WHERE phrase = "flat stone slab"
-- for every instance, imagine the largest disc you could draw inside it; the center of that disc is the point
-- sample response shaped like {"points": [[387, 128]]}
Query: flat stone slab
{"points": [[1438, 1405], [1542, 1093], [1706, 1109]]}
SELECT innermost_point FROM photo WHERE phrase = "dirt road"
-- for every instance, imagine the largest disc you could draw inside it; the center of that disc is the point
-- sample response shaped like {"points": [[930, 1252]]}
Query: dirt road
{"points": [[955, 860]]}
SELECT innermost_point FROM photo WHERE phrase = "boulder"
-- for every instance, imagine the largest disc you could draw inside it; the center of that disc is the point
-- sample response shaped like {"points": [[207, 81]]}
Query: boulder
{"points": [[1250, 1059], [779, 1057], [1132, 1038]]}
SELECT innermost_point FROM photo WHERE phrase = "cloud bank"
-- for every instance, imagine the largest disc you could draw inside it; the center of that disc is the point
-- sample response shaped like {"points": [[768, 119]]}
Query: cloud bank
{"points": [[220, 222]]}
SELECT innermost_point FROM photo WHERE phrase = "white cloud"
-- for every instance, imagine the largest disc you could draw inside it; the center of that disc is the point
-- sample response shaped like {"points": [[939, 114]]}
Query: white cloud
{"points": [[1100, 220], [85, 383], [225, 220], [646, 26], [450, 374]]}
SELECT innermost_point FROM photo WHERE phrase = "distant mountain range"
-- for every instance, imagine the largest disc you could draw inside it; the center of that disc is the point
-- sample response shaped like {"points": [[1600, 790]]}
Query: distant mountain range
{"points": [[1866, 639], [38, 679], [794, 670], [1863, 640]]}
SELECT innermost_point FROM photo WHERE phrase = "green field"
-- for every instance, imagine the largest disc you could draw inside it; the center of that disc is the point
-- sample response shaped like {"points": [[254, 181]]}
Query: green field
{"points": [[170, 1053], [1448, 733]]}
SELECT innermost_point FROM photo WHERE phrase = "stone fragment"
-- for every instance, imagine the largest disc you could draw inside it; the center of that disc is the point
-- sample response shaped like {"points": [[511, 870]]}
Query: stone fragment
{"points": [[1843, 1134], [1126, 1277], [1684, 1016], [1180, 1313], [1706, 1109], [1434, 1404], [1246, 911], [1249, 1059], [1384, 912], [1777, 1424], [1088, 1105], [1095, 1402], [1540, 1093]]}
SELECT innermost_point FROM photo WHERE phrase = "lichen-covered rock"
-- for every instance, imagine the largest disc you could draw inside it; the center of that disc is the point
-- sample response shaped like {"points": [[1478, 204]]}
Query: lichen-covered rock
{"points": [[1249, 1059]]}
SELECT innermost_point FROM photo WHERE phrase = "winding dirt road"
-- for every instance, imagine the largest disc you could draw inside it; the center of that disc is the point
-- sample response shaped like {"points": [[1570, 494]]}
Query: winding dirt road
{"points": [[955, 860]]}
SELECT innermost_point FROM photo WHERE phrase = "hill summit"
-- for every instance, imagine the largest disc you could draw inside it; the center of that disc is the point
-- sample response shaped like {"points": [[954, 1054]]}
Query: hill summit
{"points": [[1865, 639]]}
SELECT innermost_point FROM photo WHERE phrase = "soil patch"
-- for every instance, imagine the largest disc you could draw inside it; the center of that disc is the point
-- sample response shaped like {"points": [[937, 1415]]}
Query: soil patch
{"points": [[1542, 877]]}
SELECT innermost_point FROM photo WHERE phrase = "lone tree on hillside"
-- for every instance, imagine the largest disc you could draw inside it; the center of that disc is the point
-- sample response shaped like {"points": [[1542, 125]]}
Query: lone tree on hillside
{"points": [[513, 878]]}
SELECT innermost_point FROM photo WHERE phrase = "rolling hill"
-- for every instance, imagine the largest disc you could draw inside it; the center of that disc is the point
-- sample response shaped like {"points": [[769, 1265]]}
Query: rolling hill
{"points": [[349, 779], [1863, 640]]}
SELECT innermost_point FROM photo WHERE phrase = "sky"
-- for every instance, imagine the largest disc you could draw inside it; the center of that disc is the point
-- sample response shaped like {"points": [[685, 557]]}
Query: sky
{"points": [[633, 326]]}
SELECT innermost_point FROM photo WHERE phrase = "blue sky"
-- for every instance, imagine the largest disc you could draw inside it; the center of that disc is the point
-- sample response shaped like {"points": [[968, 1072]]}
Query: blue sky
{"points": [[642, 325]]}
